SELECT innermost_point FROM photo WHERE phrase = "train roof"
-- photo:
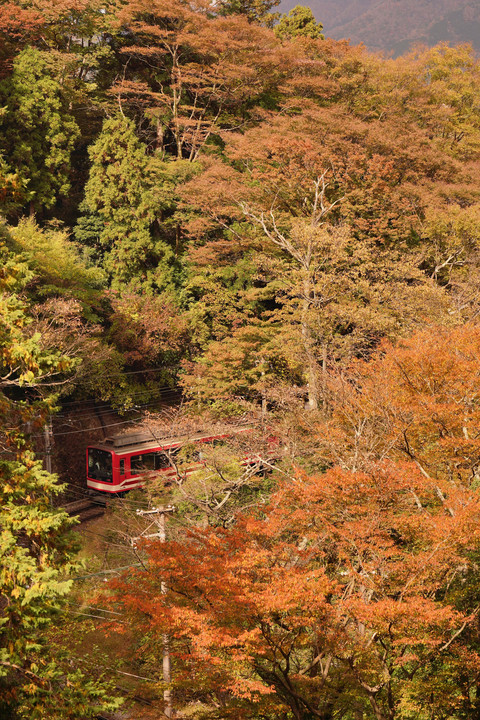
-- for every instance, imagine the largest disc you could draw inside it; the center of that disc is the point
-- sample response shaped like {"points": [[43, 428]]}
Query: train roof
{"points": [[138, 442]]}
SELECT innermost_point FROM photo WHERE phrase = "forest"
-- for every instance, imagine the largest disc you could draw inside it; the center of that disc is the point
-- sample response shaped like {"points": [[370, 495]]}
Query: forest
{"points": [[211, 211]]}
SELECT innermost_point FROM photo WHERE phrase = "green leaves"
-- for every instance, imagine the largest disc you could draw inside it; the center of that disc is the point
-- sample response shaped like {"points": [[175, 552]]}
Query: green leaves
{"points": [[122, 204], [36, 550], [39, 132], [299, 22]]}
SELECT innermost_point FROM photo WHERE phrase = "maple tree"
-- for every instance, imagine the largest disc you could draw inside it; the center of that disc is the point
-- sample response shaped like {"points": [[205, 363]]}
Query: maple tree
{"points": [[332, 263], [424, 409], [447, 77], [248, 369], [19, 25], [336, 598], [194, 74]]}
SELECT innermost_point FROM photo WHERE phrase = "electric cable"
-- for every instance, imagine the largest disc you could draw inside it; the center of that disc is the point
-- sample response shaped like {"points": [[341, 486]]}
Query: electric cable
{"points": [[163, 388]]}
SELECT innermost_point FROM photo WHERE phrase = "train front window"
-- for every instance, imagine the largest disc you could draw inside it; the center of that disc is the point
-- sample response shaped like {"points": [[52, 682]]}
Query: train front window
{"points": [[100, 465]]}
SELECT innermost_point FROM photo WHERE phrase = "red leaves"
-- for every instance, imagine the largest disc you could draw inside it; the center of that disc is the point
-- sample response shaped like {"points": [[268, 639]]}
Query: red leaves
{"points": [[344, 565]]}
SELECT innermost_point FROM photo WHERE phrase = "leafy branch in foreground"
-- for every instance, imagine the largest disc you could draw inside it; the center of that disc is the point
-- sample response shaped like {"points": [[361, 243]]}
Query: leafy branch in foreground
{"points": [[36, 549]]}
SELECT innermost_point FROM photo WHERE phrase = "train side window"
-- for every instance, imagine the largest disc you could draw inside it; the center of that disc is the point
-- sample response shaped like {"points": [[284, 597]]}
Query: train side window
{"points": [[122, 467], [100, 465], [162, 461], [136, 464], [148, 461], [196, 455]]}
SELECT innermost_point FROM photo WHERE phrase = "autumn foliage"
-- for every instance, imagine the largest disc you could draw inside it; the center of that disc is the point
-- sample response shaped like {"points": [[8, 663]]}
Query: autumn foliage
{"points": [[343, 595], [425, 409], [351, 591], [212, 211]]}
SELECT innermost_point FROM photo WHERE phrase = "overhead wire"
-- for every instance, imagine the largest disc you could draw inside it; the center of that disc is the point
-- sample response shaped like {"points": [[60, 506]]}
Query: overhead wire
{"points": [[96, 404], [123, 422], [133, 372], [84, 430], [109, 406]]}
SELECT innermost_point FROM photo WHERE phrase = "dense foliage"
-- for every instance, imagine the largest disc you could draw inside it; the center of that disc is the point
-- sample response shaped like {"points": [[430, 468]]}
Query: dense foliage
{"points": [[37, 552], [287, 228]]}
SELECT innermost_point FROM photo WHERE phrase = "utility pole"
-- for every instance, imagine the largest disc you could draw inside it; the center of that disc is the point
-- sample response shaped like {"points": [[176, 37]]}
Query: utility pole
{"points": [[47, 433], [158, 516]]}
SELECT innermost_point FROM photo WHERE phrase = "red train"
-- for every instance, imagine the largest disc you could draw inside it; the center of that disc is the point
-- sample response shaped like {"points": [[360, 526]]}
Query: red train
{"points": [[123, 462]]}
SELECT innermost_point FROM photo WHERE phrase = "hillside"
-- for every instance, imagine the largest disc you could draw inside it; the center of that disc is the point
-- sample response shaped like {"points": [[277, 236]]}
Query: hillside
{"points": [[395, 25], [266, 242]]}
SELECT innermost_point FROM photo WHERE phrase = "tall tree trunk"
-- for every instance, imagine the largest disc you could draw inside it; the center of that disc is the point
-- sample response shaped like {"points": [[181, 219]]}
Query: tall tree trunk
{"points": [[324, 375], [312, 384], [160, 136]]}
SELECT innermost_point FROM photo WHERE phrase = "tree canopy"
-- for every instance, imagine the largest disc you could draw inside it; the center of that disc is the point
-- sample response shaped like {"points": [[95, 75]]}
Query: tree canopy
{"points": [[213, 212]]}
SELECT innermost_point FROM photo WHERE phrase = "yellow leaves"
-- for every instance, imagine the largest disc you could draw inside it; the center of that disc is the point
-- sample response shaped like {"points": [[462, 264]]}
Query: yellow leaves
{"points": [[30, 688], [26, 377]]}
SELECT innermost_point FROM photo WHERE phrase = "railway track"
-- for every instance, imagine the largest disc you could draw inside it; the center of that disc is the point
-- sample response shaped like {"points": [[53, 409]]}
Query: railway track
{"points": [[85, 509]]}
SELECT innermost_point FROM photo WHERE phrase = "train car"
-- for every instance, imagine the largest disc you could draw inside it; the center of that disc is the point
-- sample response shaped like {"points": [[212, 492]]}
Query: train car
{"points": [[124, 462]]}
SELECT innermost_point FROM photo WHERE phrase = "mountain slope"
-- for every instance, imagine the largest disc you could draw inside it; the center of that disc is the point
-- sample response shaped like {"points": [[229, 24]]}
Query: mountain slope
{"points": [[395, 25]]}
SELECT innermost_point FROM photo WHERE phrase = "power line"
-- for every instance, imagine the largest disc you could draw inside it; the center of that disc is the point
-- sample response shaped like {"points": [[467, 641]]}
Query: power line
{"points": [[136, 408], [124, 422], [84, 430], [141, 393], [92, 401], [138, 405], [85, 412], [107, 572]]}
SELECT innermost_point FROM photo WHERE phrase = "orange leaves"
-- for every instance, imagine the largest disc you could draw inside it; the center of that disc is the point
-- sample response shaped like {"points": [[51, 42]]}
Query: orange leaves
{"points": [[426, 407], [19, 22], [204, 69], [347, 572]]}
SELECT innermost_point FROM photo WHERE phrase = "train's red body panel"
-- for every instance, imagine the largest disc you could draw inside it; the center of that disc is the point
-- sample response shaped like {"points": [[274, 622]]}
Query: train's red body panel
{"points": [[124, 462]]}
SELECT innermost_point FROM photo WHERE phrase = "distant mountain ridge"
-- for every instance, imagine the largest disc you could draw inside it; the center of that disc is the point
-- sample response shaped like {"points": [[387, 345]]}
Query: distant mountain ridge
{"points": [[394, 26]]}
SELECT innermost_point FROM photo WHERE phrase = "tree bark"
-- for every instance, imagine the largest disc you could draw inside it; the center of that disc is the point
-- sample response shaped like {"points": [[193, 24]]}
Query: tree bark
{"points": [[312, 388]]}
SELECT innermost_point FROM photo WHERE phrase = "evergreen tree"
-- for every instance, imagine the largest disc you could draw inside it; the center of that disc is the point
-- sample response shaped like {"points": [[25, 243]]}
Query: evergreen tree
{"points": [[257, 11], [120, 209], [38, 131], [299, 22]]}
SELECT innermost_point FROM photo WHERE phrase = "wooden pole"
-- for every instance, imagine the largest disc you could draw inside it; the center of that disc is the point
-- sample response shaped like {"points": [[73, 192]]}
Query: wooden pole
{"points": [[47, 433], [166, 664]]}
